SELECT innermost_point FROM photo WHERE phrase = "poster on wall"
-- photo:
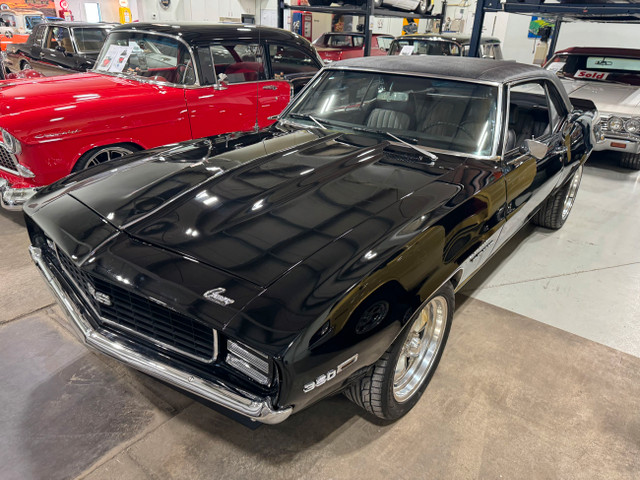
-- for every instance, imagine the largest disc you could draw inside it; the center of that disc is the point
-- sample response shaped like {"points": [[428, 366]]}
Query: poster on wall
{"points": [[47, 7], [538, 22]]}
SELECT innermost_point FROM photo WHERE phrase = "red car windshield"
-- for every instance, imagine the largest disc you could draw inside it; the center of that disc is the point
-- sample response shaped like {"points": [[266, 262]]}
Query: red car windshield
{"points": [[597, 68]]}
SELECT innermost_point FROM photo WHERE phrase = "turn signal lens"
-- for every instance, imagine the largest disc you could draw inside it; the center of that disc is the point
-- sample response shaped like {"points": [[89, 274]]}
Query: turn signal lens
{"points": [[632, 125], [253, 364]]}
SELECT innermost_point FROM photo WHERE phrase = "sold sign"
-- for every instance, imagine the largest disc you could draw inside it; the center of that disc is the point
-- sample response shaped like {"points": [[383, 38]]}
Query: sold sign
{"points": [[591, 75]]}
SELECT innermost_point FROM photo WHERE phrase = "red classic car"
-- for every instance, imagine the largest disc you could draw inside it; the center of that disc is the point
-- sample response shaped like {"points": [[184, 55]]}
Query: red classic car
{"points": [[336, 46], [152, 85]]}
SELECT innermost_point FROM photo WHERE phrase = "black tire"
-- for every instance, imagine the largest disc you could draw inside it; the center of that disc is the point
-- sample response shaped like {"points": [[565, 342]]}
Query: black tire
{"points": [[555, 210], [423, 7], [378, 392], [103, 154], [377, 3], [24, 65], [630, 160]]}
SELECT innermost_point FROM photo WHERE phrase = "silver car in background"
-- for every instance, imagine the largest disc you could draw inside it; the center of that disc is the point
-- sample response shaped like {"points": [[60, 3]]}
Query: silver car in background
{"points": [[610, 78]]}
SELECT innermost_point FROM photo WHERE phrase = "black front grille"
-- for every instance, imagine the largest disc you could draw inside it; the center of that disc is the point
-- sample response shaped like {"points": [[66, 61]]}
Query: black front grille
{"points": [[7, 160], [138, 318]]}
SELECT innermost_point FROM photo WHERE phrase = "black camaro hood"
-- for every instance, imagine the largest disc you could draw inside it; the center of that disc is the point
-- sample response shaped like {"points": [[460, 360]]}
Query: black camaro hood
{"points": [[258, 211]]}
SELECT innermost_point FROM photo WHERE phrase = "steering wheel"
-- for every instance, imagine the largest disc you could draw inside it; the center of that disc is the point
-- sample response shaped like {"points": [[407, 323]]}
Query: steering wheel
{"points": [[448, 124]]}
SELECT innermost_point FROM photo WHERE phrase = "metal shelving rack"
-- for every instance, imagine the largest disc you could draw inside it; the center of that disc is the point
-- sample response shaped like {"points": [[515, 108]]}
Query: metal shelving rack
{"points": [[605, 12], [367, 11]]}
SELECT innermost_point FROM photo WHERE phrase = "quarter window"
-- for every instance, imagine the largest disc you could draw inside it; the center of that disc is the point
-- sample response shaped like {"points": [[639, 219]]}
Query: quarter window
{"points": [[287, 60], [238, 62], [39, 33], [528, 114]]}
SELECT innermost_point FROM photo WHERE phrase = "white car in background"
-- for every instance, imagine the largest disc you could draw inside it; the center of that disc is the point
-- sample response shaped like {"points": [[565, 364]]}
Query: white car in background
{"points": [[610, 78]]}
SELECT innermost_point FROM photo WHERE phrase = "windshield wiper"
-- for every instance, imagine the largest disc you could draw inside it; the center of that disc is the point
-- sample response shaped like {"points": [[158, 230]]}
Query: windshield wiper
{"points": [[305, 116], [417, 148]]}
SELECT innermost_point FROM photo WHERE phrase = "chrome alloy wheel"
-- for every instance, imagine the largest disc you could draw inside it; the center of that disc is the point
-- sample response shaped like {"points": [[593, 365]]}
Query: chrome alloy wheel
{"points": [[420, 349], [422, 6], [106, 154], [571, 193]]}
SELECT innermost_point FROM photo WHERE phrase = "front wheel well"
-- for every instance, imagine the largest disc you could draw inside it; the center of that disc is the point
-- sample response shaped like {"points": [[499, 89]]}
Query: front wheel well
{"points": [[81, 163]]}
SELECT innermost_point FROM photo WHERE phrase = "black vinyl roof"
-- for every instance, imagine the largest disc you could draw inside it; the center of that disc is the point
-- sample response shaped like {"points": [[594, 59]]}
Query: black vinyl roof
{"points": [[204, 33], [483, 69]]}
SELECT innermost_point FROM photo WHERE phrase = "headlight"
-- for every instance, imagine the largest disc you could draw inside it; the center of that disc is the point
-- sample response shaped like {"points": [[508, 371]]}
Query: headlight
{"points": [[632, 125], [253, 364], [615, 124], [10, 142]]}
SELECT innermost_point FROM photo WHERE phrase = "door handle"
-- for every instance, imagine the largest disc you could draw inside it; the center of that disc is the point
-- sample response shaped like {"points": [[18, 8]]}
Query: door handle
{"points": [[269, 87]]}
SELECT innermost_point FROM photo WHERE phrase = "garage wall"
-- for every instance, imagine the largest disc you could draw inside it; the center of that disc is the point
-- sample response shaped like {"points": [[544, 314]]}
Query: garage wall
{"points": [[109, 9], [512, 30]]}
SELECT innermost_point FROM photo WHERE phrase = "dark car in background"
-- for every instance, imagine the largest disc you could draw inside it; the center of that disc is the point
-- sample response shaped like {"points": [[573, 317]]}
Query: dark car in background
{"points": [[452, 44], [269, 270], [58, 48], [335, 46]]}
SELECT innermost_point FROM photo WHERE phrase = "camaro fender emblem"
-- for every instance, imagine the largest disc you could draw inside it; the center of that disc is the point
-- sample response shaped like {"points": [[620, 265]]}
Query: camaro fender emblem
{"points": [[330, 375], [216, 296], [99, 297]]}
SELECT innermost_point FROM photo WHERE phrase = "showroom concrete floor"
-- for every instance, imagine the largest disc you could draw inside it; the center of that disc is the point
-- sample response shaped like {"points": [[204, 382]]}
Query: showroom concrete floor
{"points": [[540, 378]]}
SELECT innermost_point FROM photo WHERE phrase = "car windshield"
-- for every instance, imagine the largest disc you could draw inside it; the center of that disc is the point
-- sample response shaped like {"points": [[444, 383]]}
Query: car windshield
{"points": [[90, 39], [597, 68], [449, 115], [424, 47], [156, 57]]}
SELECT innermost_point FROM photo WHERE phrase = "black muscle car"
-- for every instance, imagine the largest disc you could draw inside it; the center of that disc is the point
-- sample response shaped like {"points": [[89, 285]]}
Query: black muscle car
{"points": [[267, 270], [58, 48]]}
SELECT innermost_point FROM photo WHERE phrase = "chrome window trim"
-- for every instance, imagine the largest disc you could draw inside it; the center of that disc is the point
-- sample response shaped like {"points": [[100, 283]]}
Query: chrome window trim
{"points": [[157, 342], [147, 32]]}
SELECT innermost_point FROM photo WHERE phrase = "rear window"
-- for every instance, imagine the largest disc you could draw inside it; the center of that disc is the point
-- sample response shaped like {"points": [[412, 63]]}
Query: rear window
{"points": [[613, 69], [90, 39]]}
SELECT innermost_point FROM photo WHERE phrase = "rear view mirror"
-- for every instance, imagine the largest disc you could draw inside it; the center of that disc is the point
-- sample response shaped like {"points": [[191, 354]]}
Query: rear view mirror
{"points": [[536, 149]]}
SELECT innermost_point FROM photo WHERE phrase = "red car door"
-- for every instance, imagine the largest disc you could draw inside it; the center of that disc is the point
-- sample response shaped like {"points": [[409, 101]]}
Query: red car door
{"points": [[233, 105], [273, 96], [232, 109]]}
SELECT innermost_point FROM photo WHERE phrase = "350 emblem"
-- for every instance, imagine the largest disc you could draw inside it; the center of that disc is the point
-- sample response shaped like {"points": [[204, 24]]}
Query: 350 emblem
{"points": [[330, 375]]}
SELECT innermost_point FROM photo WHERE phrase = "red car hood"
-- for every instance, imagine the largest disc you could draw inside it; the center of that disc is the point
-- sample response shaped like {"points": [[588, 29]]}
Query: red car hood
{"points": [[42, 102]]}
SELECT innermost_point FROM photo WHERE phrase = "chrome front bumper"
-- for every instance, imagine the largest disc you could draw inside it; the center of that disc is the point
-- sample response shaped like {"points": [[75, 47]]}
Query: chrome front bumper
{"points": [[257, 409], [619, 143], [13, 198]]}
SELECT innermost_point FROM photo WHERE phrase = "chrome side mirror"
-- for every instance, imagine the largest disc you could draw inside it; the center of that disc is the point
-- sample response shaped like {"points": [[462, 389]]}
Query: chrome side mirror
{"points": [[536, 149], [222, 85]]}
